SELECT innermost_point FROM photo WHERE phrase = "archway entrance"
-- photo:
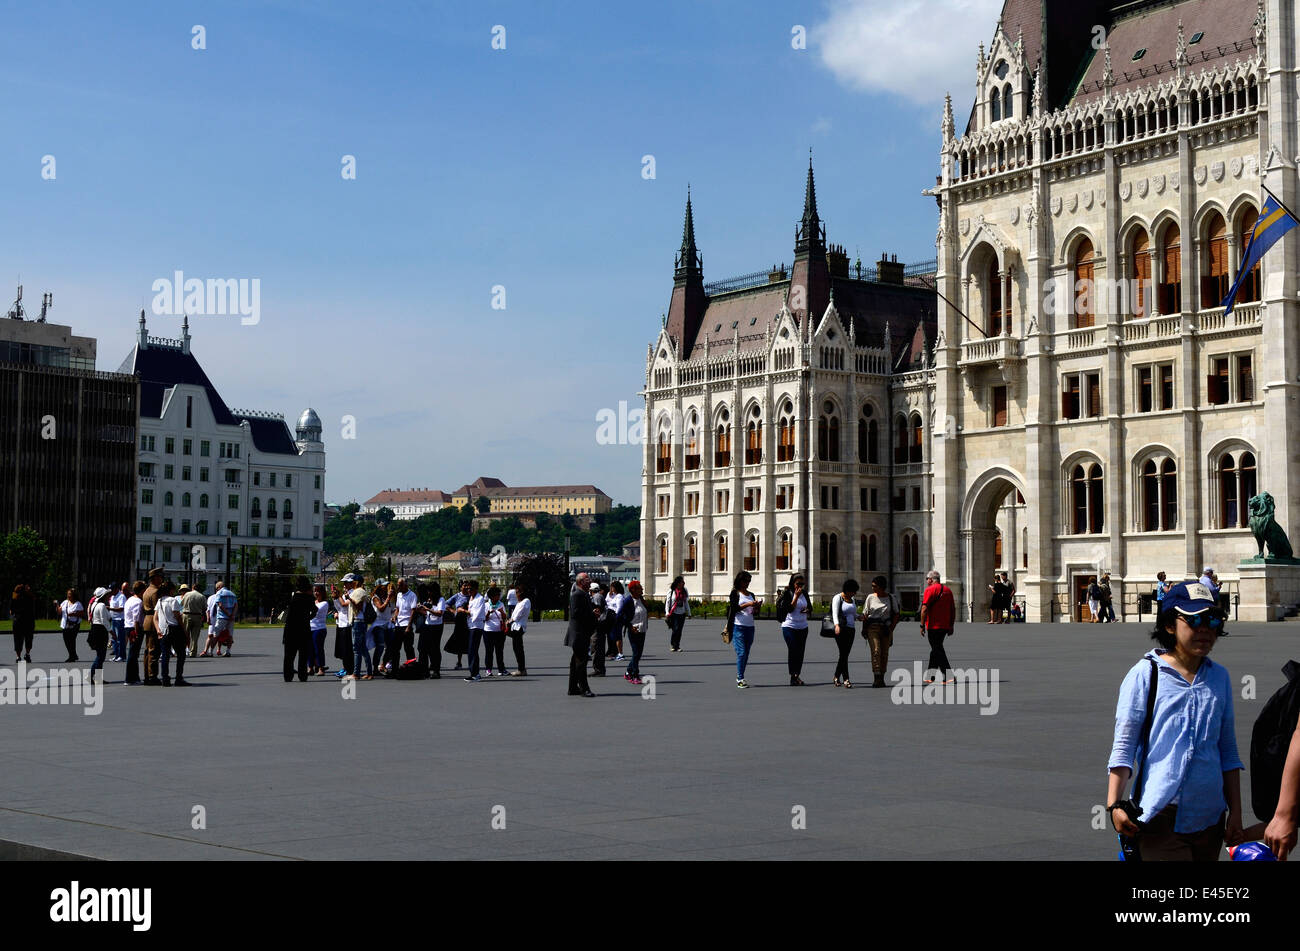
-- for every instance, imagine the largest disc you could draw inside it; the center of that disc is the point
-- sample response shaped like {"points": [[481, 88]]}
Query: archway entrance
{"points": [[991, 538]]}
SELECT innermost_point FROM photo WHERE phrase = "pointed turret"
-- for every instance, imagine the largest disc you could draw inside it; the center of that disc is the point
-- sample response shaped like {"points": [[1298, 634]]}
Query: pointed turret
{"points": [[686, 309], [812, 233], [810, 279]]}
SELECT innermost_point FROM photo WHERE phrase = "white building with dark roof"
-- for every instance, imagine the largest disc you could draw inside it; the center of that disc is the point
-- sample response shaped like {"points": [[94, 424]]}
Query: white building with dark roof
{"points": [[209, 473]]}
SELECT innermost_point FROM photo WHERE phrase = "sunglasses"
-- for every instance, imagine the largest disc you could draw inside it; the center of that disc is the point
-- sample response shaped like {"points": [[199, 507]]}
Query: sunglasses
{"points": [[1204, 619]]}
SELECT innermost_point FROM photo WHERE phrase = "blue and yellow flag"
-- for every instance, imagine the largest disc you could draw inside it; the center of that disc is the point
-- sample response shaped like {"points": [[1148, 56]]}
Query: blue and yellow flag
{"points": [[1274, 221]]}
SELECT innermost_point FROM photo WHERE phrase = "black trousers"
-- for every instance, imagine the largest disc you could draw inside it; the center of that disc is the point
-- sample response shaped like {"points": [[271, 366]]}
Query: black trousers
{"points": [[796, 640], [297, 647], [578, 670], [679, 621], [599, 642], [177, 639], [343, 647], [517, 642], [430, 649], [844, 641], [475, 637], [938, 656], [70, 642], [23, 641], [406, 637], [494, 646]]}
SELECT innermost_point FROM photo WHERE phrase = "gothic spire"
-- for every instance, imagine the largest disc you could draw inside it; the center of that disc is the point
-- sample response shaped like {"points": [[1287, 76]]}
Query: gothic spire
{"points": [[811, 232], [688, 260]]}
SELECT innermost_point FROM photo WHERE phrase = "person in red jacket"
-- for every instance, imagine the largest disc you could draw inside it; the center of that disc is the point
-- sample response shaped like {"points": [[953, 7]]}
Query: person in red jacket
{"points": [[938, 611]]}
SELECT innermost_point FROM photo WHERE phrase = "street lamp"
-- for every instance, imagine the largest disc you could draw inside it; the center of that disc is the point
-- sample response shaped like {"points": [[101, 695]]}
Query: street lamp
{"points": [[567, 543]]}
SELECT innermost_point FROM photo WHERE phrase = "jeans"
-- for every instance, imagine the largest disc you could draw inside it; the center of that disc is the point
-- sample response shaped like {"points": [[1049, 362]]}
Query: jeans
{"points": [[495, 643], [517, 642], [318, 649], [1108, 612], [119, 638], [475, 638], [165, 644], [679, 621], [378, 637], [132, 673], [359, 652], [844, 641], [742, 639], [796, 639], [938, 656], [637, 639]]}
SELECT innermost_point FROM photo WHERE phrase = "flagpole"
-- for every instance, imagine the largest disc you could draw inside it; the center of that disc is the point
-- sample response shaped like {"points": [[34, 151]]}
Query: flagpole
{"points": [[1279, 201]]}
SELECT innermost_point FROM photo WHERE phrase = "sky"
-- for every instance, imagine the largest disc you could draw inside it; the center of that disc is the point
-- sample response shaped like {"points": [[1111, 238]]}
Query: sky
{"points": [[486, 283]]}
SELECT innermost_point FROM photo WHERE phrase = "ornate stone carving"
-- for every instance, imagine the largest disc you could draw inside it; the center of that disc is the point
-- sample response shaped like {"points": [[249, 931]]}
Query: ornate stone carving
{"points": [[1073, 204], [1267, 531], [965, 227], [1217, 171], [1158, 184], [1015, 215], [1087, 200], [1142, 186], [1175, 180], [1057, 205], [1200, 174], [1125, 191], [1237, 166]]}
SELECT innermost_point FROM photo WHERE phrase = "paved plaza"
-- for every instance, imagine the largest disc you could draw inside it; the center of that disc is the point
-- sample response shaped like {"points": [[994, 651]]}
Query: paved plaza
{"points": [[431, 770]]}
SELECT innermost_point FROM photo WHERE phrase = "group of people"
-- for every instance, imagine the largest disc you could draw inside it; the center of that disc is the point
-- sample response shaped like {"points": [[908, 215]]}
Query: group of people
{"points": [[156, 618], [1175, 738], [1101, 609], [1002, 603]]}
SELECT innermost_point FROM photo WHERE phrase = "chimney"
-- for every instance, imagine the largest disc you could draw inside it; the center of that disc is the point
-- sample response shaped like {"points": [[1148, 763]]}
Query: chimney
{"points": [[837, 261], [888, 270]]}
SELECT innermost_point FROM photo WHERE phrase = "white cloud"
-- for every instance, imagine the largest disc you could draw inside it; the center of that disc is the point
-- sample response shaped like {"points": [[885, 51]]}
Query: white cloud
{"points": [[916, 50]]}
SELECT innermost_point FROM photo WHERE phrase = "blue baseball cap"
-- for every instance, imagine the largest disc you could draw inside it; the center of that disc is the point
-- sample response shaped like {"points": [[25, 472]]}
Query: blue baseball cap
{"points": [[1190, 597]]}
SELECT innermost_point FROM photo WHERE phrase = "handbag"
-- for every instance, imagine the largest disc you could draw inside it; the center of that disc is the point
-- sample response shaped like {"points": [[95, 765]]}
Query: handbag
{"points": [[726, 637], [828, 626], [1128, 845]]}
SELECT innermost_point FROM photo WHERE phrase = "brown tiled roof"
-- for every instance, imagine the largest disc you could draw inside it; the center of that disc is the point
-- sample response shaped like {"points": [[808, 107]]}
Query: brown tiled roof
{"points": [[479, 486], [1229, 31], [390, 496], [539, 490]]}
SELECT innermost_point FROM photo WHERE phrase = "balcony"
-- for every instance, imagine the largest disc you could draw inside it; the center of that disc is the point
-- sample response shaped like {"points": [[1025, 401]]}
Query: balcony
{"points": [[992, 350], [1244, 315], [1154, 328]]}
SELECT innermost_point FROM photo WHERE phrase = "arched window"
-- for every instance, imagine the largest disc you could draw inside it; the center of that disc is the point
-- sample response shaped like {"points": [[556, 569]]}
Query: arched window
{"points": [[900, 439], [1007, 110], [1236, 487], [663, 554], [688, 565], [1159, 495], [785, 435], [868, 436], [270, 508], [664, 457], [830, 554], [751, 554], [1087, 499], [868, 553], [783, 559], [203, 501], [169, 499], [916, 447], [722, 442], [692, 460], [1250, 286], [1171, 272], [1214, 279], [1142, 274], [721, 543], [995, 312], [828, 434], [185, 500], [288, 508], [909, 552], [995, 106], [754, 437], [1085, 305]]}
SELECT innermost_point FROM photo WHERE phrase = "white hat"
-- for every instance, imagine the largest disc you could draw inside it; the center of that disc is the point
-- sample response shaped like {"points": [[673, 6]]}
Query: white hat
{"points": [[593, 587], [100, 592]]}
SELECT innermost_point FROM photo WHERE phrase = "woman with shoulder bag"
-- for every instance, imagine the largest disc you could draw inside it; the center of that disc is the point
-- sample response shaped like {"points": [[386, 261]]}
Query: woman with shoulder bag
{"points": [[676, 610], [882, 614], [740, 622], [843, 611], [794, 628]]}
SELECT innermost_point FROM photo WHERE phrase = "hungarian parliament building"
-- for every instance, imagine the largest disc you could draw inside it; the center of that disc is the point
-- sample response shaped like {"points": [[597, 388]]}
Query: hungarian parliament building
{"points": [[1059, 395]]}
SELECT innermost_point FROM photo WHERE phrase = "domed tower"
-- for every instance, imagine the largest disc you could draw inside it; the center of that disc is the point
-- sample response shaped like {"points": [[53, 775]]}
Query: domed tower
{"points": [[309, 428]]}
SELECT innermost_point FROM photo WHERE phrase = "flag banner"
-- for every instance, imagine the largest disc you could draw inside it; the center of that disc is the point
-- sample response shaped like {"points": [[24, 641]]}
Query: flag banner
{"points": [[1274, 221]]}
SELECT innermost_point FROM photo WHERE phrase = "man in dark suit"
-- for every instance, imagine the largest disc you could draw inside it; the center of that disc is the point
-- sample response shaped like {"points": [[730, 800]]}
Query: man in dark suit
{"points": [[582, 624]]}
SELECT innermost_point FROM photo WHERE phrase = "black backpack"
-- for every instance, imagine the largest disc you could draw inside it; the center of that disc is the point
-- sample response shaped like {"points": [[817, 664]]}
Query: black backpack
{"points": [[368, 611], [1270, 739], [412, 670], [783, 604]]}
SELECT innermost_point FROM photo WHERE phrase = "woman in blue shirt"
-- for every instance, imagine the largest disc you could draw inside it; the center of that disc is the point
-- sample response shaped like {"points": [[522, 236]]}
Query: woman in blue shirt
{"points": [[1190, 772]]}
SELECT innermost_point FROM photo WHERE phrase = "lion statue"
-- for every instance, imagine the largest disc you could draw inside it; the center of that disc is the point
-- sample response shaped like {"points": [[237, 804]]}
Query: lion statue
{"points": [[1267, 530]]}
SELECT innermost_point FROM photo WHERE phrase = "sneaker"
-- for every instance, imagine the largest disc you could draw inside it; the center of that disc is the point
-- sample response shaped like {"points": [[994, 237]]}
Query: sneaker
{"points": [[618, 656], [741, 684], [470, 680]]}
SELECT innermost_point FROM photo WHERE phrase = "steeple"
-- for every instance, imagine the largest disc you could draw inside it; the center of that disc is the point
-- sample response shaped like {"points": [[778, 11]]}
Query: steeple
{"points": [[185, 334], [689, 261], [811, 234], [142, 335]]}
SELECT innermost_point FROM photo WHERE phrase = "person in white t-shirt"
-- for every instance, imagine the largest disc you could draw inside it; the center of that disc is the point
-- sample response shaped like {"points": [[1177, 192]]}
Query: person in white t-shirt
{"points": [[518, 625], [404, 603], [844, 614], [794, 628], [115, 608], [133, 619], [319, 623], [71, 614], [636, 631], [614, 601], [740, 618]]}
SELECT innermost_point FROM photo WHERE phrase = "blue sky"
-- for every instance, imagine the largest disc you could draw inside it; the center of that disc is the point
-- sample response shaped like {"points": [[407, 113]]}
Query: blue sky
{"points": [[475, 167]]}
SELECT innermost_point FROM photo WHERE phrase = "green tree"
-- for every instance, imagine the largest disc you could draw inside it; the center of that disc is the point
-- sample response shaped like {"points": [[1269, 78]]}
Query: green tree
{"points": [[384, 516], [483, 505], [546, 581]]}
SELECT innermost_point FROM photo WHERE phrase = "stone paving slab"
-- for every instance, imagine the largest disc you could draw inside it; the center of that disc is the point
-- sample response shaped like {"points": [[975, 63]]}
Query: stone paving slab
{"points": [[413, 770]]}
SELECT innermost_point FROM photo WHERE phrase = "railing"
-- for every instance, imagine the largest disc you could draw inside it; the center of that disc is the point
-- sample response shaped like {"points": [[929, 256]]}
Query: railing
{"points": [[1153, 328], [990, 350], [1244, 315], [1083, 338], [753, 279], [911, 469]]}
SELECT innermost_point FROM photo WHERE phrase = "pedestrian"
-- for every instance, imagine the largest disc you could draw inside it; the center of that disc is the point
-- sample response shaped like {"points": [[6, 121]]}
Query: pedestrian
{"points": [[356, 602], [475, 618], [172, 642], [1107, 608], [433, 607], [519, 625], [844, 615], [22, 610], [193, 614], [133, 619], [1093, 598], [577, 637], [115, 606], [101, 625], [210, 643], [403, 621], [995, 602], [224, 611], [458, 642], [149, 623], [741, 607], [636, 630], [881, 614], [495, 622], [1187, 794], [342, 631], [381, 636], [938, 611], [794, 626], [1208, 579], [1010, 601], [1162, 589], [614, 604], [318, 625], [297, 637], [71, 614], [600, 636], [676, 610]]}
